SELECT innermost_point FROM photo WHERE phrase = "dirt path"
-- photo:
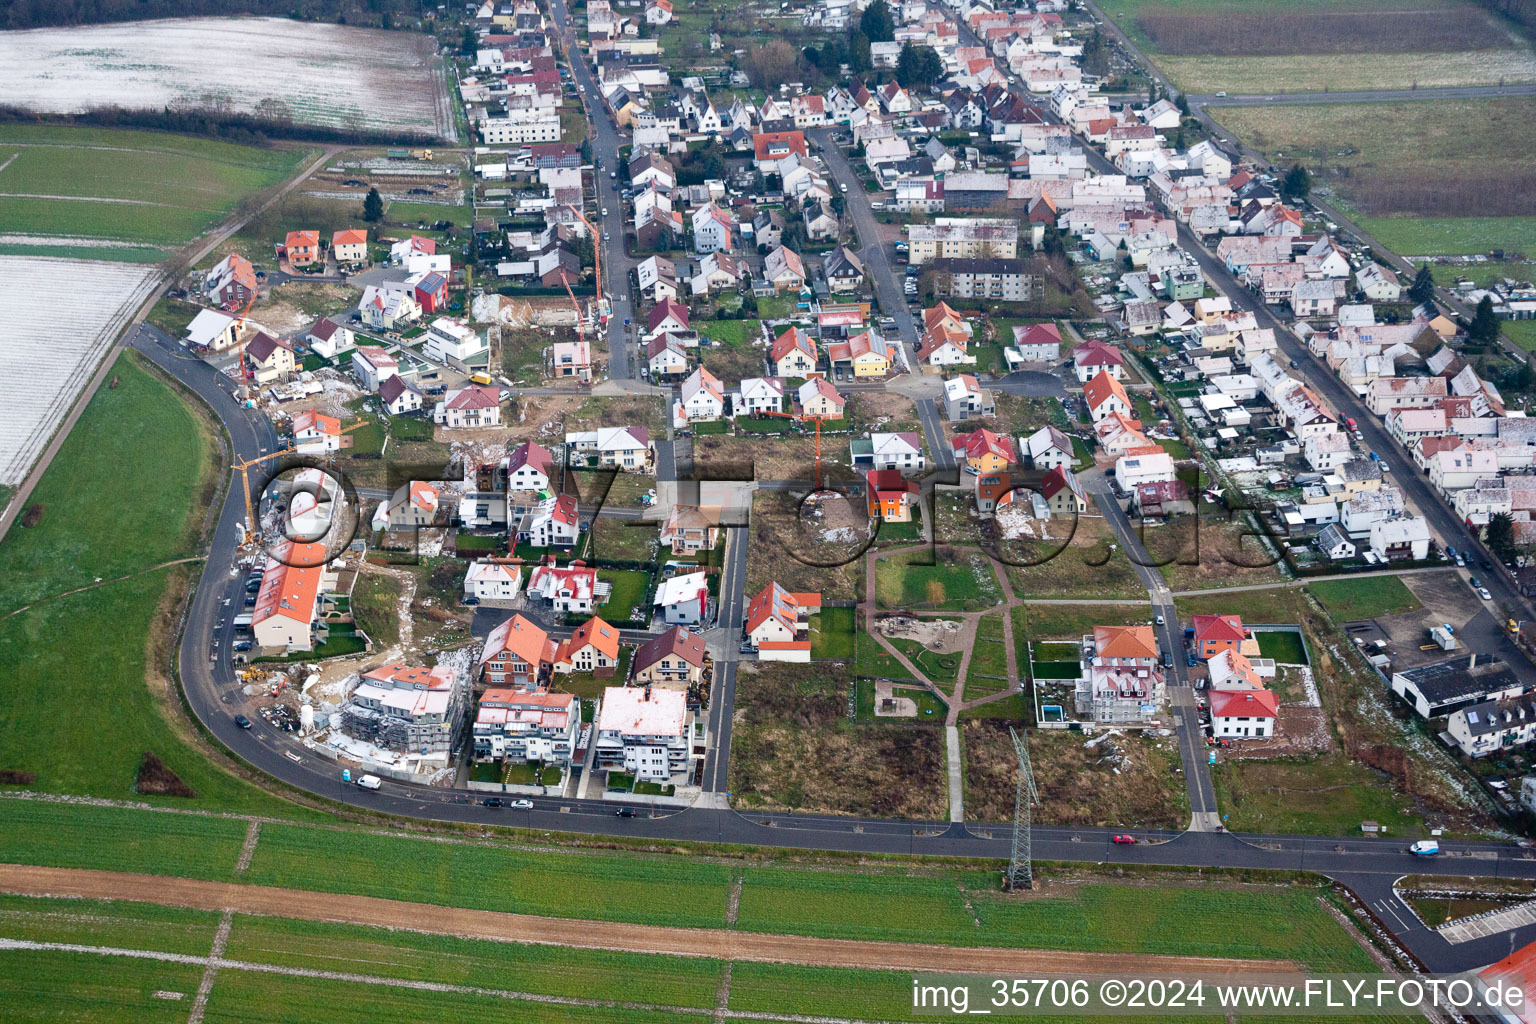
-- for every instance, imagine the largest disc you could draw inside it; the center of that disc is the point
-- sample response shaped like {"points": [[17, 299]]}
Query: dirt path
{"points": [[504, 927], [99, 583]]}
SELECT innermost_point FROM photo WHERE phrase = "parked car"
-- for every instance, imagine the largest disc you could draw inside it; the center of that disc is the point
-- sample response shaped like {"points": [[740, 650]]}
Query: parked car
{"points": [[242, 721], [1482, 592]]}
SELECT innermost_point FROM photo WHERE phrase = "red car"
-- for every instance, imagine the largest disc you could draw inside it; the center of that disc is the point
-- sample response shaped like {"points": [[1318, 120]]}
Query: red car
{"points": [[1125, 840]]}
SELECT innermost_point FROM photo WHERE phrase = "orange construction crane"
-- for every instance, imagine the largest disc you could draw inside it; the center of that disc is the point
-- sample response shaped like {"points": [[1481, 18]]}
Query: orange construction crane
{"points": [[800, 417], [574, 304], [243, 468], [597, 251], [240, 340]]}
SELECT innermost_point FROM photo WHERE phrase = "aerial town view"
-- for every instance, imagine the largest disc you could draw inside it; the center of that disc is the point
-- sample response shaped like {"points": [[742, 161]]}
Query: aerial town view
{"points": [[816, 511]]}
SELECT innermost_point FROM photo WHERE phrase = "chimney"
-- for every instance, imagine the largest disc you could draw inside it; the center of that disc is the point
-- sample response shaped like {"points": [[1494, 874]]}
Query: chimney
{"points": [[1472, 661], [647, 693]]}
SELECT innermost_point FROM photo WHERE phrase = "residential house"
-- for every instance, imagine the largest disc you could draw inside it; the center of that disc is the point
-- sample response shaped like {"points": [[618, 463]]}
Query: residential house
{"points": [[493, 579], [1217, 633], [302, 248], [399, 396], [289, 596], [657, 277], [518, 654], [891, 496], [793, 354], [330, 339], [1106, 396], [270, 358], [701, 398], [777, 624], [1048, 448], [554, 523], [1378, 283], [1063, 493], [350, 246], [984, 451], [1038, 343], [683, 599], [521, 727], [817, 397], [567, 588], [456, 343], [713, 229], [784, 269], [373, 366], [843, 269], [231, 282], [689, 529], [674, 660], [469, 407], [820, 222], [899, 451], [318, 434], [1157, 499], [592, 647], [1143, 466], [666, 317], [387, 307], [1396, 539], [1244, 714], [863, 355], [1092, 358], [666, 357], [616, 447], [965, 398], [1119, 678], [406, 709], [413, 506], [645, 733]]}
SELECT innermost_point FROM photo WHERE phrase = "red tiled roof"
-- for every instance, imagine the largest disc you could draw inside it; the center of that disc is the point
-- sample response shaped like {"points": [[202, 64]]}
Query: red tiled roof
{"points": [[1244, 704]]}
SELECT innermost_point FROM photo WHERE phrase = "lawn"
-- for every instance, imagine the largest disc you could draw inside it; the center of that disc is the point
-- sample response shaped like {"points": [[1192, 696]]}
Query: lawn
{"points": [[736, 333], [1452, 236], [624, 540], [961, 581], [93, 709], [870, 659], [1347, 600], [1327, 795], [162, 189], [833, 631], [1283, 646], [629, 587]]}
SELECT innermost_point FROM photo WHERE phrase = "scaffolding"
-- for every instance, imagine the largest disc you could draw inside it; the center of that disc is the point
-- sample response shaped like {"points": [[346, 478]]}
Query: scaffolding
{"points": [[1020, 873]]}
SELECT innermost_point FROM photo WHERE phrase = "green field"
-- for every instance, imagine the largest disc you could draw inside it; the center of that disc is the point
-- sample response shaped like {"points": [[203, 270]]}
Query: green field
{"points": [[964, 583], [1347, 600], [629, 587], [1327, 795], [1358, 47], [145, 188], [1415, 175], [86, 713], [1451, 236], [1285, 647], [736, 333]]}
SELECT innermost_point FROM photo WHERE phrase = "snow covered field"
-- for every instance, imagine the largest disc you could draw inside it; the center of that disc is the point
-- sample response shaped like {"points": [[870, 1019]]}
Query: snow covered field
{"points": [[330, 75], [57, 319]]}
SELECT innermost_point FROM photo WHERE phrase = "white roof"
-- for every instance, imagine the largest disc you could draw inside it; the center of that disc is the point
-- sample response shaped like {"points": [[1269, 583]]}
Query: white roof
{"points": [[208, 325], [626, 711], [681, 588]]}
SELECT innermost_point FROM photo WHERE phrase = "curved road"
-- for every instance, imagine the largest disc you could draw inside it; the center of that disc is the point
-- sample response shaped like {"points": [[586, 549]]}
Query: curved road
{"points": [[1368, 866]]}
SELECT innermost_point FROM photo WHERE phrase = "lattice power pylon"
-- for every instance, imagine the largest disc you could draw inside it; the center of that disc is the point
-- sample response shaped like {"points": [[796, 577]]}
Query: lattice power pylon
{"points": [[1021, 873]]}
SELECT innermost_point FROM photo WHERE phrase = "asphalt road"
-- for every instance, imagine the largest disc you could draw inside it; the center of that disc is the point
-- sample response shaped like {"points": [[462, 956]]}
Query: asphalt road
{"points": [[605, 140]]}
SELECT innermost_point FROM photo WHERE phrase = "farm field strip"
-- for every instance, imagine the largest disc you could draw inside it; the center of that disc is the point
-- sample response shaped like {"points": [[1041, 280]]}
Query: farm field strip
{"points": [[592, 935], [372, 80], [60, 344]]}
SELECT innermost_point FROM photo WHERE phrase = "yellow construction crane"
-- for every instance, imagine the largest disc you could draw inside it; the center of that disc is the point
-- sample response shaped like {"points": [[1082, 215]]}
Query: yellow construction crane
{"points": [[244, 467]]}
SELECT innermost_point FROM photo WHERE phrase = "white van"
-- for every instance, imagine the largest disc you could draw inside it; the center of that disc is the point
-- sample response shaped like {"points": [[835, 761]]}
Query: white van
{"points": [[369, 782], [1425, 848]]}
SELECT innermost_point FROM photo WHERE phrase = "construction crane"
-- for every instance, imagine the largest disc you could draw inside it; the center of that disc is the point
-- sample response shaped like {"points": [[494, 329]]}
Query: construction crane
{"points": [[244, 467], [574, 305], [800, 417], [597, 255], [240, 340]]}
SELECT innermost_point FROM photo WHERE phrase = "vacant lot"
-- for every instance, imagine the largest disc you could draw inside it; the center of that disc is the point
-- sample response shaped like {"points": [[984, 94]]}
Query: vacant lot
{"points": [[1203, 552], [784, 549], [61, 184], [957, 579], [1073, 570], [1328, 795], [1446, 158], [793, 747], [1446, 29], [1125, 781], [330, 75], [1347, 600]]}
